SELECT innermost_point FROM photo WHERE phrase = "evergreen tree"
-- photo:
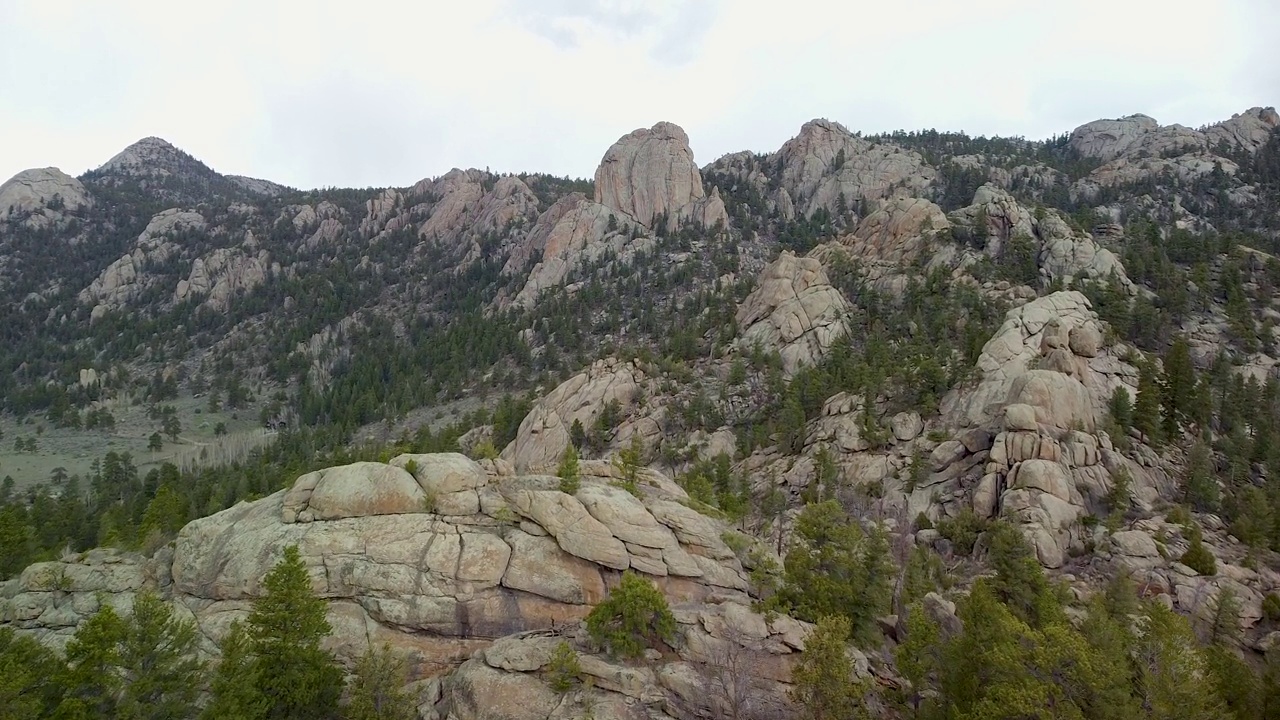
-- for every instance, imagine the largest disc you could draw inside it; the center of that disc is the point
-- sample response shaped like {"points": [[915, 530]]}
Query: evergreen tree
{"points": [[93, 656], [234, 693], [822, 684], [635, 615], [300, 680], [1171, 670], [32, 678], [1199, 480], [834, 568], [569, 472], [1146, 410], [377, 689], [157, 663]]}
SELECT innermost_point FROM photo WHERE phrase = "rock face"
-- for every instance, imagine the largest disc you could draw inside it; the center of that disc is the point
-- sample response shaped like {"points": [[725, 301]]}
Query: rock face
{"points": [[826, 161], [572, 234], [651, 173], [224, 274], [794, 310], [436, 583], [1127, 136], [42, 193], [1136, 147], [544, 433], [127, 277]]}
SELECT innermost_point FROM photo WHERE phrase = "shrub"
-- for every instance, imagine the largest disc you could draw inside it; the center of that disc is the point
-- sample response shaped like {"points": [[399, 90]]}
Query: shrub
{"points": [[633, 617], [564, 670], [1271, 607], [962, 530], [1198, 558], [923, 522]]}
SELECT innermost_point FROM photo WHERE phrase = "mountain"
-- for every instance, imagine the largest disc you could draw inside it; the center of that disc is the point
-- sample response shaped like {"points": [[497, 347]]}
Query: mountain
{"points": [[1061, 352]]}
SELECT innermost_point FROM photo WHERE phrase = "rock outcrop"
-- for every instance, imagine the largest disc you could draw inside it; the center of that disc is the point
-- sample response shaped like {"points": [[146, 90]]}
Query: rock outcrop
{"points": [[571, 235], [126, 278], [40, 196], [793, 310], [650, 173], [544, 433], [223, 275], [434, 554], [1107, 140], [825, 161]]}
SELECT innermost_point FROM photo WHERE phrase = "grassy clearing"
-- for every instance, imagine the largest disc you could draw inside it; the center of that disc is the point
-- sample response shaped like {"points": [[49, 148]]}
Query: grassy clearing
{"points": [[75, 450]]}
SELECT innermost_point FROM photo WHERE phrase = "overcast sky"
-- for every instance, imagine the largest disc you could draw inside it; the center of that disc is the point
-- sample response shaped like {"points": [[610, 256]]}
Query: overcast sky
{"points": [[372, 94]]}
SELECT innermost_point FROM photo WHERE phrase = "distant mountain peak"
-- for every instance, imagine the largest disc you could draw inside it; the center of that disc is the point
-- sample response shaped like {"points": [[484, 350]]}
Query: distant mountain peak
{"points": [[154, 156]]}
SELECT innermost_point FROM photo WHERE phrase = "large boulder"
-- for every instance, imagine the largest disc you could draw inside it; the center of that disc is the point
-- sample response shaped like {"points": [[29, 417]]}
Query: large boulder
{"points": [[357, 490], [650, 173], [825, 162], [794, 310], [45, 192], [544, 433]]}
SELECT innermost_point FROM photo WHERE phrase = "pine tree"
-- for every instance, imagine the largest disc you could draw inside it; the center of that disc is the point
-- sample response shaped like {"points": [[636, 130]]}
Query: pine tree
{"points": [[1146, 410], [1199, 480], [635, 615], [157, 662], [93, 655], [234, 693], [32, 678], [300, 680], [569, 472], [822, 686], [377, 689], [1171, 670]]}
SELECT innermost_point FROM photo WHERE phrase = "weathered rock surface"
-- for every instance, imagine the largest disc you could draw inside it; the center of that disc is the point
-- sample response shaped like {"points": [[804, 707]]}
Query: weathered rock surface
{"points": [[572, 234], [651, 173], [127, 277], [793, 310], [223, 275], [544, 433], [43, 192], [437, 587], [826, 161]]}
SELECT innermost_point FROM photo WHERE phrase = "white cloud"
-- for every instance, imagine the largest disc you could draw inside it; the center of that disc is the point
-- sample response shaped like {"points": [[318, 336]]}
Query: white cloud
{"points": [[329, 93]]}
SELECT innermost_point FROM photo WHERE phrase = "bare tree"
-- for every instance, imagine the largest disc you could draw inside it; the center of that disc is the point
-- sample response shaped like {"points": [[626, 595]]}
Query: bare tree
{"points": [[734, 689]]}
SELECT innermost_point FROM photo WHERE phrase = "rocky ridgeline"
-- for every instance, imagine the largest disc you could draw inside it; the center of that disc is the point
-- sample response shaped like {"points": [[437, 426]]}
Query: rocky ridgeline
{"points": [[453, 563]]}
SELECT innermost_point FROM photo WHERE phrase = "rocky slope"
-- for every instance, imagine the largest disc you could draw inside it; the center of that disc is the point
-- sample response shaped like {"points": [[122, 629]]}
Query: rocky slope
{"points": [[473, 572], [688, 312]]}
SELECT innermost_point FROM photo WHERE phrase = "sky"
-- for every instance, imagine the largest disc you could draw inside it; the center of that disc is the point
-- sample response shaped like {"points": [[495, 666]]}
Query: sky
{"points": [[348, 94]]}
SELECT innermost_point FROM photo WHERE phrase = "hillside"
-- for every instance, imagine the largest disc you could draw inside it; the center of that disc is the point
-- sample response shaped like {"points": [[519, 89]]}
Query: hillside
{"points": [[1030, 383]]}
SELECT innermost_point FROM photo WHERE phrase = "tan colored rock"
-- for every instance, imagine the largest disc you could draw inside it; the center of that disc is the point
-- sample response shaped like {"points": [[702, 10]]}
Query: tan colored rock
{"points": [[907, 426], [825, 161], [36, 190], [359, 490], [575, 530], [649, 173], [1135, 543], [538, 566], [544, 433], [222, 276], [442, 473], [896, 232], [626, 517], [573, 234], [1086, 341], [1020, 417], [794, 310], [477, 691]]}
